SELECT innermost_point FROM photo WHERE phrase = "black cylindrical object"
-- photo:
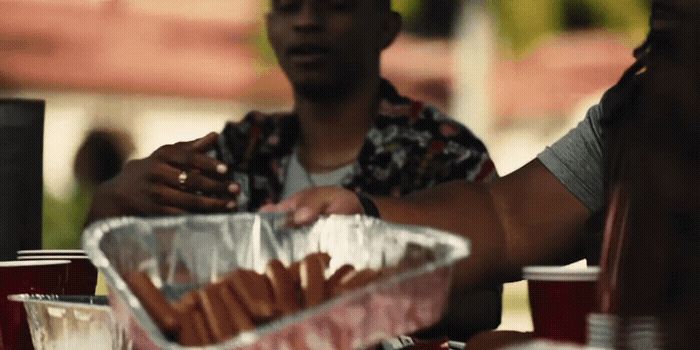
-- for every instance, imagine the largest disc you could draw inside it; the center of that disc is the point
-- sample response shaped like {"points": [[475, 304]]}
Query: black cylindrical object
{"points": [[21, 150]]}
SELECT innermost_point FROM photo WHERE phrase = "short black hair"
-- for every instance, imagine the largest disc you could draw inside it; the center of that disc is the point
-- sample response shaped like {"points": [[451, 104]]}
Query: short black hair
{"points": [[383, 4]]}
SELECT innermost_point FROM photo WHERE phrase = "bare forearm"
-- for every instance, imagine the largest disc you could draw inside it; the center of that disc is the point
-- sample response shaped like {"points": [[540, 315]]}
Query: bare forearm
{"points": [[527, 217], [464, 209]]}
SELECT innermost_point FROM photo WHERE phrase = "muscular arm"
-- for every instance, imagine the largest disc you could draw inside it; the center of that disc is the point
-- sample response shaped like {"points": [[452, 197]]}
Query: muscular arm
{"points": [[527, 217]]}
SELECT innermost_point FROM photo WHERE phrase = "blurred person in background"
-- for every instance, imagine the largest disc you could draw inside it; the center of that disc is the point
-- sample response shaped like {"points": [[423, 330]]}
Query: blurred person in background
{"points": [[99, 158], [644, 135], [349, 127]]}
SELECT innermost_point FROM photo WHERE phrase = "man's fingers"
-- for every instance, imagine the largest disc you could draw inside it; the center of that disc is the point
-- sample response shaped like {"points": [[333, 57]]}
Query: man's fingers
{"points": [[207, 164], [162, 210], [300, 208], [205, 143], [199, 183], [307, 206], [293, 203], [305, 216], [167, 196], [192, 155], [286, 205], [193, 181], [268, 208], [346, 203], [182, 156], [325, 201]]}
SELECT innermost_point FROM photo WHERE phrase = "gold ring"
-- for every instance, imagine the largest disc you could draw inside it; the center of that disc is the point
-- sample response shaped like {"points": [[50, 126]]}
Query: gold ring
{"points": [[182, 178]]}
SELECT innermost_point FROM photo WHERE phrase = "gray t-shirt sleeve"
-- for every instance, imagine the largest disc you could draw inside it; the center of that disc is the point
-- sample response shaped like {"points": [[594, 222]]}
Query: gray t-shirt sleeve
{"points": [[577, 160]]}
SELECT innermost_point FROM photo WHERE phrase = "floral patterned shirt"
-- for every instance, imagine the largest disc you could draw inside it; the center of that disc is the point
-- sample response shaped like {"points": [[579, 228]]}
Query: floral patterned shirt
{"points": [[410, 147]]}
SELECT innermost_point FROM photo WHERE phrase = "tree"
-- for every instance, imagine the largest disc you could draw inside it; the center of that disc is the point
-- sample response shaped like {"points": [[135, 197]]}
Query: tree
{"points": [[523, 22]]}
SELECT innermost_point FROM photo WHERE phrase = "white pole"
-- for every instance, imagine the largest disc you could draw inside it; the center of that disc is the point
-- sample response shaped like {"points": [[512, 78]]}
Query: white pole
{"points": [[474, 53]]}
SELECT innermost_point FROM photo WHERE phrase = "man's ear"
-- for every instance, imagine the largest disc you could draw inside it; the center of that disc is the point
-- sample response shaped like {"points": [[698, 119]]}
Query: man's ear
{"points": [[392, 27]]}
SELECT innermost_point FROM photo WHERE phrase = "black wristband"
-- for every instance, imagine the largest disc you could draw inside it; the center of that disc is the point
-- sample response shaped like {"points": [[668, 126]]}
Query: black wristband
{"points": [[368, 206]]}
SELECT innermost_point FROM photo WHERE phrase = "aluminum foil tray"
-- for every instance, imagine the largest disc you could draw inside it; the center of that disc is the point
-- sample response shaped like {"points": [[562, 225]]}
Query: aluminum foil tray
{"points": [[182, 253], [59, 322]]}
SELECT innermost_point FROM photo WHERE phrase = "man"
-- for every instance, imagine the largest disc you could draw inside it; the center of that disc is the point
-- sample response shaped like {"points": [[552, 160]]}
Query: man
{"points": [[541, 213], [349, 127], [100, 157]]}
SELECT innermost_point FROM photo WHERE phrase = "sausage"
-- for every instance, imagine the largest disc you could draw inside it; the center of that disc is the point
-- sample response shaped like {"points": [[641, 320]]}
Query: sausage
{"points": [[155, 303], [200, 327], [238, 315], [215, 313], [188, 334], [312, 280], [253, 290], [333, 282], [294, 272], [186, 304], [294, 267], [284, 290], [324, 257], [246, 299], [357, 280]]}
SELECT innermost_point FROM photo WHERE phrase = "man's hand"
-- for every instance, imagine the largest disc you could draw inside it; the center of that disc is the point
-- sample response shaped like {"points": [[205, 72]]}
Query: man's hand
{"points": [[305, 207], [175, 179]]}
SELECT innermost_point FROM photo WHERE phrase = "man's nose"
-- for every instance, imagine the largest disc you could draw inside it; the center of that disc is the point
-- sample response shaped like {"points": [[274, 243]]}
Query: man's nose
{"points": [[310, 18]]}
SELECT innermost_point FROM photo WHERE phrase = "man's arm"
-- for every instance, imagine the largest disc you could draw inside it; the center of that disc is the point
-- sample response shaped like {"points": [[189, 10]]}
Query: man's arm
{"points": [[527, 217], [174, 180]]}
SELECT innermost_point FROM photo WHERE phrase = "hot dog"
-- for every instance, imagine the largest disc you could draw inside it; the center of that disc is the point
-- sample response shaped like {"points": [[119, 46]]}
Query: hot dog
{"points": [[154, 302], [283, 288], [245, 299], [253, 290], [312, 281]]}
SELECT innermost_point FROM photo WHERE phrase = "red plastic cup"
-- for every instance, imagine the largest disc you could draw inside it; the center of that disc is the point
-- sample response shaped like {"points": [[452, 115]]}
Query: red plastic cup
{"points": [[25, 277], [561, 299], [81, 277]]}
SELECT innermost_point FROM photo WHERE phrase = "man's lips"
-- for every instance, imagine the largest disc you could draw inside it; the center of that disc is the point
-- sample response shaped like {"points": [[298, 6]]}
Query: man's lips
{"points": [[308, 50], [308, 54]]}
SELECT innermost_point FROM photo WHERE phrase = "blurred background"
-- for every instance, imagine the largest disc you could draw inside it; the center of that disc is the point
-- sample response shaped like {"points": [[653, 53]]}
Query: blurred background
{"points": [[122, 77]]}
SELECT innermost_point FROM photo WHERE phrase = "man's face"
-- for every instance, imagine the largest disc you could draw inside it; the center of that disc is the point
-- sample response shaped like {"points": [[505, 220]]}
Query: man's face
{"points": [[327, 46]]}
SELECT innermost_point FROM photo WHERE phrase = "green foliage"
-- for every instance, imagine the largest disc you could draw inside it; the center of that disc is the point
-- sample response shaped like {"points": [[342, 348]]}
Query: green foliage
{"points": [[407, 8], [523, 22], [266, 55], [265, 50], [63, 220]]}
